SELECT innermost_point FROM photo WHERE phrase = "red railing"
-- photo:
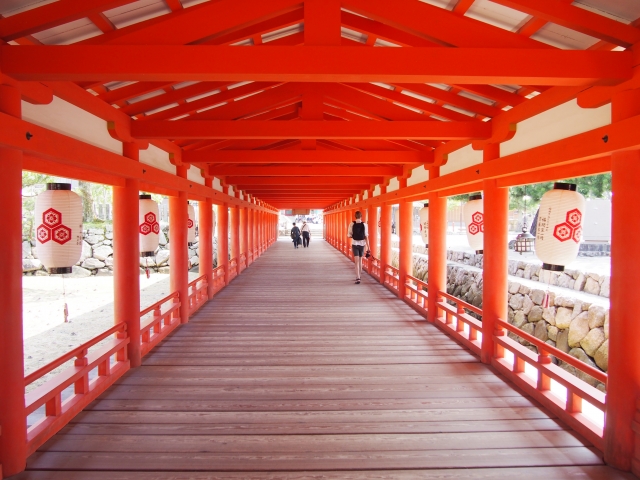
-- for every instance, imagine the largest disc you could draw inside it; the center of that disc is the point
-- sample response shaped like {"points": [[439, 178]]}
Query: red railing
{"points": [[197, 293], [538, 383], [458, 323], [218, 279], [165, 318], [242, 264], [109, 362], [416, 294], [233, 268], [371, 265], [391, 277]]}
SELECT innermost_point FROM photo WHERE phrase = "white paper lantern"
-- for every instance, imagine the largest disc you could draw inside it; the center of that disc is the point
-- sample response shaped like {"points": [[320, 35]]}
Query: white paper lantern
{"points": [[58, 216], [191, 224], [473, 213], [559, 227], [149, 228], [424, 223]]}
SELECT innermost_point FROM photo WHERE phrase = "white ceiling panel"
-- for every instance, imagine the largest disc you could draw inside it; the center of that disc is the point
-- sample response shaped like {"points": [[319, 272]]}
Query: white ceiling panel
{"points": [[625, 11], [448, 4], [565, 38], [13, 7], [496, 15], [69, 33], [136, 12]]}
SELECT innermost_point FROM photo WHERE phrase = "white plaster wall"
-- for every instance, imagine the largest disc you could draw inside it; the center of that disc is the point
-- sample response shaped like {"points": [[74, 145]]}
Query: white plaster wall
{"points": [[463, 158], [157, 158], [418, 175]]}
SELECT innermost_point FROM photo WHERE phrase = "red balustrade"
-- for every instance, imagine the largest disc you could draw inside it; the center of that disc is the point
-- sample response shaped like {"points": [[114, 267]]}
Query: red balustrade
{"points": [[197, 293], [457, 322], [233, 268], [416, 294], [98, 363], [218, 279], [165, 318], [391, 278]]}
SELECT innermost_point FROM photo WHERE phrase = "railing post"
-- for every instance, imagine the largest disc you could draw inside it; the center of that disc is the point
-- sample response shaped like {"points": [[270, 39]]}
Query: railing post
{"points": [[372, 218], [437, 261], [496, 229], [126, 258], [405, 264], [13, 440], [205, 243], [179, 267], [244, 237], [623, 383], [234, 232]]}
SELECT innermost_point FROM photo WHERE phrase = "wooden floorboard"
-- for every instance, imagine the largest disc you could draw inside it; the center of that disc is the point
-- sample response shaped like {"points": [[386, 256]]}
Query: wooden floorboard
{"points": [[294, 372]]}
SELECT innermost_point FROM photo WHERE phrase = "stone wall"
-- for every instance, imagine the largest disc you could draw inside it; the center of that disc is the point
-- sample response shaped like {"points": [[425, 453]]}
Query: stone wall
{"points": [[97, 255], [575, 326]]}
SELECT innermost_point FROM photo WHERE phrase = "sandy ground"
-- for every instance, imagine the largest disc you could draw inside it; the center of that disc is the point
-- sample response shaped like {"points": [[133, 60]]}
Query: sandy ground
{"points": [[90, 303]]}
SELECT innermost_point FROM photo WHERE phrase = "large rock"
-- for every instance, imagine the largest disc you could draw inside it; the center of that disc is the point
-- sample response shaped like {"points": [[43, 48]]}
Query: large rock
{"points": [[605, 287], [578, 329], [537, 296], [552, 332], [26, 249], [516, 301], [78, 272], [580, 281], [92, 264], [562, 341], [596, 316], [606, 325], [514, 287], [549, 315], [93, 239], [162, 238], [527, 305], [164, 270], [540, 331], [162, 257], [109, 261], [592, 286], [602, 356], [583, 357], [108, 235], [591, 343], [519, 319], [102, 252], [95, 231], [563, 318], [31, 264], [535, 315], [529, 328], [86, 252]]}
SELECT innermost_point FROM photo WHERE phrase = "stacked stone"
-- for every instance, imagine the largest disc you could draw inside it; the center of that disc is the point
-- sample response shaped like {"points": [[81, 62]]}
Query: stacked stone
{"points": [[97, 255]]}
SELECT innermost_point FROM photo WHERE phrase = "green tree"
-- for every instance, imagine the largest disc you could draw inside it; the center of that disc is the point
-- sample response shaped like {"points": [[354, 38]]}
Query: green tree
{"points": [[84, 189]]}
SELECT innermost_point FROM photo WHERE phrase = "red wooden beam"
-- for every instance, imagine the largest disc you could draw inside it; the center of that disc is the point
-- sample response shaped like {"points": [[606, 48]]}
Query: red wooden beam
{"points": [[334, 64], [293, 157], [246, 182], [380, 30], [51, 15], [577, 19], [310, 129], [320, 170]]}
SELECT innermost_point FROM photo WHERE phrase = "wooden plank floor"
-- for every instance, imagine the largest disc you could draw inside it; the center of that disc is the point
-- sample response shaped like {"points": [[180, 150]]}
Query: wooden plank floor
{"points": [[295, 372]]}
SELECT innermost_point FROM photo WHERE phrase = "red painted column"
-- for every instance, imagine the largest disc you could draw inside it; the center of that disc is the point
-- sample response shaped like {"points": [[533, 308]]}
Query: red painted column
{"points": [[372, 221], [243, 233], [223, 240], [437, 261], [385, 239], [234, 232], [405, 258], [205, 243], [126, 258], [623, 384], [13, 441], [253, 234], [178, 250], [496, 261]]}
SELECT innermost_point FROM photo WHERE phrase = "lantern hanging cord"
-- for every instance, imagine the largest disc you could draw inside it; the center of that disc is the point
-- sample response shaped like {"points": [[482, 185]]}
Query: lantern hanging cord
{"points": [[65, 310]]}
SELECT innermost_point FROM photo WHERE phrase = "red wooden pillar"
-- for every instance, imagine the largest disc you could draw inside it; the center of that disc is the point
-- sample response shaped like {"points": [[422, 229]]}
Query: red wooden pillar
{"points": [[385, 239], [13, 441], [437, 261], [253, 234], [223, 240], [205, 243], [178, 250], [372, 221], [234, 233], [126, 257], [496, 261], [623, 384], [243, 233], [405, 258]]}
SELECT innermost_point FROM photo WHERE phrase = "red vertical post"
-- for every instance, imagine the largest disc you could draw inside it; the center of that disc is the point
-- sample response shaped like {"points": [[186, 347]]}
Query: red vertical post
{"points": [[13, 441], [223, 240], [178, 250], [623, 383], [496, 261], [437, 261], [234, 233], [205, 243], [385, 239], [126, 257], [243, 233], [253, 231], [372, 221], [405, 258]]}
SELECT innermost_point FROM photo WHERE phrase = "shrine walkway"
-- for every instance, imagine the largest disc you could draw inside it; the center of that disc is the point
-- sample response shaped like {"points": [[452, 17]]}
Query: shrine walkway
{"points": [[293, 372]]}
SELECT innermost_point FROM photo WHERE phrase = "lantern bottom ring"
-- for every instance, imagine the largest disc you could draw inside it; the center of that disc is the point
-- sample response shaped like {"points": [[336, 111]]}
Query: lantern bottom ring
{"points": [[479, 252], [553, 268], [59, 270], [147, 254]]}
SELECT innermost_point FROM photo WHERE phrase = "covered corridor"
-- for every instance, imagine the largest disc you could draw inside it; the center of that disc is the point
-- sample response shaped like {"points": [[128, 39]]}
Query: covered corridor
{"points": [[293, 371]]}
